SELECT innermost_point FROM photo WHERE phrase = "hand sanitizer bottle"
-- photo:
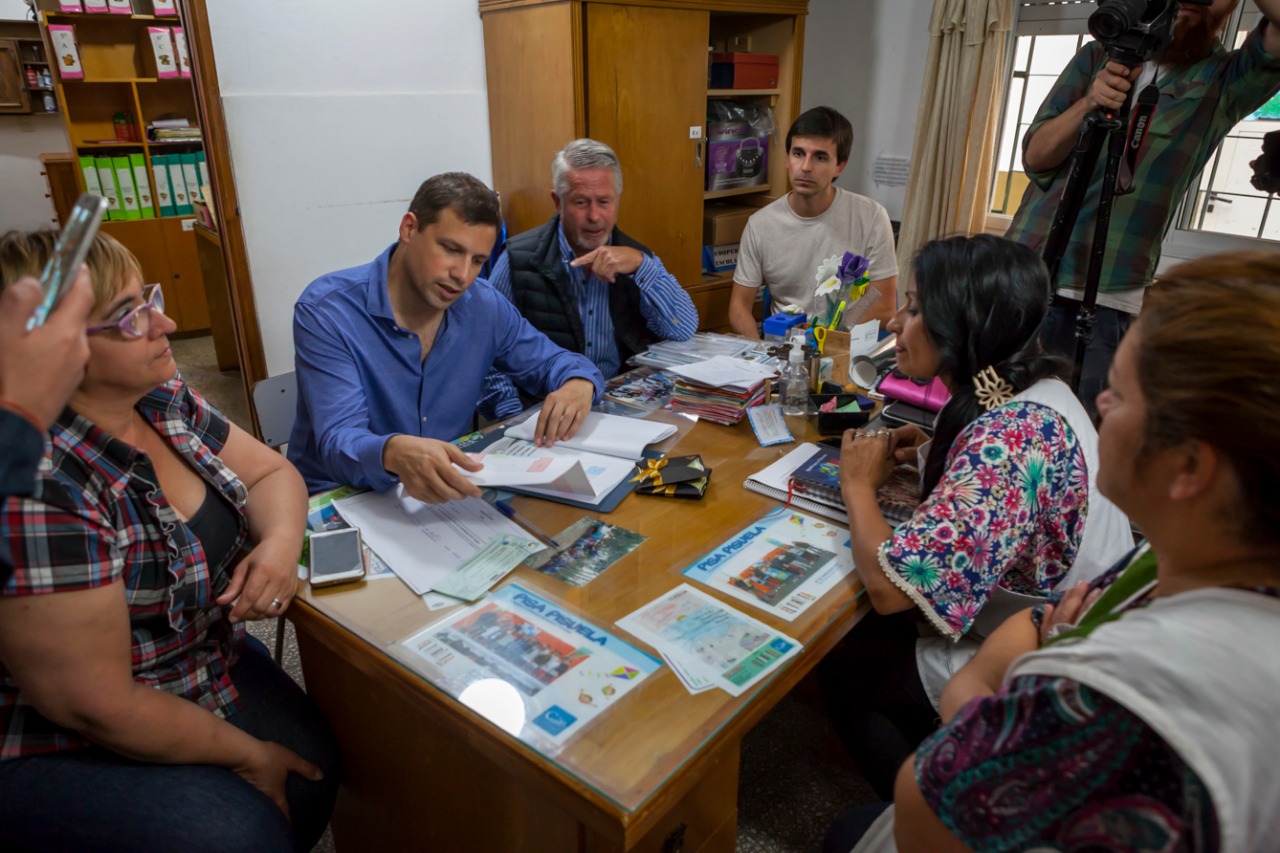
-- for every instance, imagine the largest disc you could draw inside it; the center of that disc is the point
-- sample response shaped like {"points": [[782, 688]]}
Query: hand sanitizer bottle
{"points": [[795, 383]]}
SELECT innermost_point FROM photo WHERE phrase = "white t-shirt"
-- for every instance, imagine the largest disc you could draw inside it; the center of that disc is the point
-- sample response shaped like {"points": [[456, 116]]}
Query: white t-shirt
{"points": [[782, 249]]}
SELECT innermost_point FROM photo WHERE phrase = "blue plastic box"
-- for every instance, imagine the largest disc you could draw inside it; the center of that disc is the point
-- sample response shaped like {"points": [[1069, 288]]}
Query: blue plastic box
{"points": [[780, 324]]}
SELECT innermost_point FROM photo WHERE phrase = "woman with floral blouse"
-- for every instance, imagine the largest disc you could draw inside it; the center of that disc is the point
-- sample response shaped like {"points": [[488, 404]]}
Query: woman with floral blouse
{"points": [[1139, 714], [1008, 514]]}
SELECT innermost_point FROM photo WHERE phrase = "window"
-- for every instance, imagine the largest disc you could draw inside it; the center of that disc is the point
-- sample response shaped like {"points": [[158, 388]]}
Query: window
{"points": [[1221, 207]]}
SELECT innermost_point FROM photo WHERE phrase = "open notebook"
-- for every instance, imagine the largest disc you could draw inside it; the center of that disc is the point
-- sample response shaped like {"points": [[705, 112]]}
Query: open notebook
{"points": [[898, 497]]}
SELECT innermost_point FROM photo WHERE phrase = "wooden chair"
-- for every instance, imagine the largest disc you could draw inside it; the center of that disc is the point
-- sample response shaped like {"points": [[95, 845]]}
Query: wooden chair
{"points": [[275, 401]]}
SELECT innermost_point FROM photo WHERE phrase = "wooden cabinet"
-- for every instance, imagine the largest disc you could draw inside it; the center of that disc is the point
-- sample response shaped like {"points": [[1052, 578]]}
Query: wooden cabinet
{"points": [[633, 74], [24, 72], [120, 85]]}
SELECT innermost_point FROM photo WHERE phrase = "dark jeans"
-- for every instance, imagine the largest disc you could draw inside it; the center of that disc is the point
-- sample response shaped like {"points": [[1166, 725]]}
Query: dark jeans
{"points": [[875, 698], [848, 829], [1058, 335], [94, 799]]}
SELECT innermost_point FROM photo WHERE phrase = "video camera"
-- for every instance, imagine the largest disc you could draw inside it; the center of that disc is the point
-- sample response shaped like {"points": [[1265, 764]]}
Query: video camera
{"points": [[1266, 169], [1133, 31]]}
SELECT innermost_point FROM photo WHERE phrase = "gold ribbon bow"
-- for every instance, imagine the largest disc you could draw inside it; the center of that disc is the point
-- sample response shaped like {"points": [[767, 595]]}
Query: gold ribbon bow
{"points": [[651, 471]]}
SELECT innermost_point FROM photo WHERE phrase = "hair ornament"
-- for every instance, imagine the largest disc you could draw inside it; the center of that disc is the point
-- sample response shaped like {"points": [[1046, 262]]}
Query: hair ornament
{"points": [[992, 391]]}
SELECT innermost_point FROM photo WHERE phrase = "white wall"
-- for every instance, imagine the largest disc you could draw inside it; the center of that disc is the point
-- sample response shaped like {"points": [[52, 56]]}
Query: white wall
{"points": [[14, 10], [22, 140], [867, 58], [336, 112]]}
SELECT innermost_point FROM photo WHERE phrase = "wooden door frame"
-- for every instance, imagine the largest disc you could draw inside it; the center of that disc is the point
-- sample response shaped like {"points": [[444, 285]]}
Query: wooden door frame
{"points": [[235, 257]]}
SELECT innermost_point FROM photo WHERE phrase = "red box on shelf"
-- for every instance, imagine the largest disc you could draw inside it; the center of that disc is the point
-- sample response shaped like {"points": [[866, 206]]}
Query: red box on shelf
{"points": [[743, 71]]}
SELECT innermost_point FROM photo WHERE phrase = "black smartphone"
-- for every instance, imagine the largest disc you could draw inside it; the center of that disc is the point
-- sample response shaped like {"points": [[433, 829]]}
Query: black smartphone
{"points": [[68, 254], [899, 412]]}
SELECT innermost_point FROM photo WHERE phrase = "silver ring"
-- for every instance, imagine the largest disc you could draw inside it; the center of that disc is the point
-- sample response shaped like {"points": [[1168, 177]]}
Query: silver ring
{"points": [[275, 603], [882, 433]]}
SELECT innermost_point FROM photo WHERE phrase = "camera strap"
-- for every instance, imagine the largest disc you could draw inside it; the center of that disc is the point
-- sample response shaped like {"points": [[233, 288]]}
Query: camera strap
{"points": [[1144, 112]]}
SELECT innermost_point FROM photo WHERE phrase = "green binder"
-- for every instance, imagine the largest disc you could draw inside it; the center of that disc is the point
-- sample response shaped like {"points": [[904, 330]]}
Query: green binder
{"points": [[110, 189], [178, 184], [191, 174], [164, 193], [142, 183], [89, 170], [128, 192]]}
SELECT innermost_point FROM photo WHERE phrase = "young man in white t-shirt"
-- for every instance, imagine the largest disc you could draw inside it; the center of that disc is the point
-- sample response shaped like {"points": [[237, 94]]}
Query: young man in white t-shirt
{"points": [[785, 242]]}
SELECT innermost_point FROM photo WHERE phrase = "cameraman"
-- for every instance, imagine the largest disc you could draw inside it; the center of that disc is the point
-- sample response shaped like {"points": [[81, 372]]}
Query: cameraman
{"points": [[1204, 91]]}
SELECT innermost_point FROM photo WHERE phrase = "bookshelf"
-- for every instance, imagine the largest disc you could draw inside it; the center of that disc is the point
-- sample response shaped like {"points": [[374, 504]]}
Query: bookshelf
{"points": [[634, 74], [107, 113]]}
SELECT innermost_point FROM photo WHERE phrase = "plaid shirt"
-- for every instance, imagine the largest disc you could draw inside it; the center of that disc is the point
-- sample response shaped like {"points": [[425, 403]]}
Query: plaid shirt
{"points": [[1199, 105], [97, 516]]}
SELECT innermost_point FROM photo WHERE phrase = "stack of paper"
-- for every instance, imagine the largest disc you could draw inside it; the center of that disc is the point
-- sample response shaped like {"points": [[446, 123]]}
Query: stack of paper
{"points": [[700, 347], [708, 643]]}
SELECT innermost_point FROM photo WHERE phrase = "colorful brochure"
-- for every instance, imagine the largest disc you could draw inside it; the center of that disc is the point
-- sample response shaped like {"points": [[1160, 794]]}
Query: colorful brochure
{"points": [[529, 665], [782, 563], [710, 639], [587, 548]]}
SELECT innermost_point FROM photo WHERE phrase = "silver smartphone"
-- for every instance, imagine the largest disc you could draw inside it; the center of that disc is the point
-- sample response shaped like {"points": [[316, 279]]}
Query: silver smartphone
{"points": [[336, 556], [68, 254]]}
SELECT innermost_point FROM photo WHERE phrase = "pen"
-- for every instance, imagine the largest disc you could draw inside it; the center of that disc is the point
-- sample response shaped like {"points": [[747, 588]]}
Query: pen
{"points": [[510, 512]]}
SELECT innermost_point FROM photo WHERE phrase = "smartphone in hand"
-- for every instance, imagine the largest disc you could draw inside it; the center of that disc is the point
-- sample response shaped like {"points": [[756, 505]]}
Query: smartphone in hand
{"points": [[68, 254]]}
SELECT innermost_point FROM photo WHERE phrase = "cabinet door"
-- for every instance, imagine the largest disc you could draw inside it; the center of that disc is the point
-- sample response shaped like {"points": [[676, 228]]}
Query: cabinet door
{"points": [[187, 278], [13, 92], [646, 87]]}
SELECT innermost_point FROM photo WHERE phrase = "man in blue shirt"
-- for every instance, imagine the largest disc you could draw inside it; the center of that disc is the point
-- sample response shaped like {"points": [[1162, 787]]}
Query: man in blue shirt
{"points": [[582, 282], [391, 356]]}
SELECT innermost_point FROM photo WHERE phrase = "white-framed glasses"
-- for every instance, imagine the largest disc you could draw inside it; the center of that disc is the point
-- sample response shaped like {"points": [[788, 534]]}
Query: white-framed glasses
{"points": [[137, 322]]}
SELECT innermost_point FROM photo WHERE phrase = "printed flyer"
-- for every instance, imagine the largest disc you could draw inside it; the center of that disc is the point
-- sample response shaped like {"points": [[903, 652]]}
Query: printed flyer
{"points": [[782, 563], [704, 637], [559, 672]]}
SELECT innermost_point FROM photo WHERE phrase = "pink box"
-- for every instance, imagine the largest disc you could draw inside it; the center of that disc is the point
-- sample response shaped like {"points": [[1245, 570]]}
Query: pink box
{"points": [[161, 8], [184, 58], [163, 52], [65, 53], [70, 6], [120, 7], [99, 6]]}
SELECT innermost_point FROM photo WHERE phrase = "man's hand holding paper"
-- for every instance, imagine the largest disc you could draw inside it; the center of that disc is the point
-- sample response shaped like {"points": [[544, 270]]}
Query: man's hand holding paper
{"points": [[426, 468]]}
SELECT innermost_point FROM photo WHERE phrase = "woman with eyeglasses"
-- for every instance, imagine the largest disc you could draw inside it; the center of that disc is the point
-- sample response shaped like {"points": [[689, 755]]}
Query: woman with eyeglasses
{"points": [[1009, 511], [135, 713], [1138, 714]]}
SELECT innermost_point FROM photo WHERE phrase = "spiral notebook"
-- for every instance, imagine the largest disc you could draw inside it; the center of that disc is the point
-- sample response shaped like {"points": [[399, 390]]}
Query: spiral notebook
{"points": [[898, 498]]}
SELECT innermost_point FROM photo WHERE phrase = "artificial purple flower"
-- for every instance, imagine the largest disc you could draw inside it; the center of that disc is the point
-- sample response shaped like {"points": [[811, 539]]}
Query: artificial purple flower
{"points": [[853, 267]]}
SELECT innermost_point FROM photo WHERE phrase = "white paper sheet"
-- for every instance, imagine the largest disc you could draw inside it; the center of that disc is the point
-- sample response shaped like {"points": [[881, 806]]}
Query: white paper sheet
{"points": [[523, 464], [601, 433], [724, 372], [603, 472], [422, 543]]}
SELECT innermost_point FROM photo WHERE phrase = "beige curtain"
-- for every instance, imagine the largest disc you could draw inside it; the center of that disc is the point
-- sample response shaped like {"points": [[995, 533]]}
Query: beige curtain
{"points": [[958, 123]]}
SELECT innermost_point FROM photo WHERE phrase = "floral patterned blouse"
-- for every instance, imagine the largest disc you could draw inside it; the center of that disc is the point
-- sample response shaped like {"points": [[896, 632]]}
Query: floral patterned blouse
{"points": [[1009, 510]]}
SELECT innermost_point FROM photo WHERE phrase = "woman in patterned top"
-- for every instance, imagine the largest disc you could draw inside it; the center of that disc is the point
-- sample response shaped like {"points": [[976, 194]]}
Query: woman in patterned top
{"points": [[134, 712], [1145, 721], [1009, 512]]}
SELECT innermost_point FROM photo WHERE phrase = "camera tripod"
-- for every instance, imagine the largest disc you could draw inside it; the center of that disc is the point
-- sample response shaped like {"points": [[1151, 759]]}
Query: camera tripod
{"points": [[1098, 127]]}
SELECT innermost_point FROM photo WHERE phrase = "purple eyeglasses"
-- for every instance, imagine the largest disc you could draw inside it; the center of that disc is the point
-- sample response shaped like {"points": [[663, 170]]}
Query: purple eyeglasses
{"points": [[137, 322]]}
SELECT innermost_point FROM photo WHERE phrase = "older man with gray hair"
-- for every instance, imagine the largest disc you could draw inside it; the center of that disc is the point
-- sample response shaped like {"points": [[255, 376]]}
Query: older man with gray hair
{"points": [[583, 283]]}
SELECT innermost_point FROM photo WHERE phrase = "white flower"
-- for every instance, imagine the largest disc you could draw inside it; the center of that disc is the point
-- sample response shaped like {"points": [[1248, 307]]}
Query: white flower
{"points": [[831, 285], [828, 269]]}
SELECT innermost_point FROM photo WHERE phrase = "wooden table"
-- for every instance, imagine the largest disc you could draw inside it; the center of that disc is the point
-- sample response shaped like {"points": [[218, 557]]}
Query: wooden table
{"points": [[657, 772]]}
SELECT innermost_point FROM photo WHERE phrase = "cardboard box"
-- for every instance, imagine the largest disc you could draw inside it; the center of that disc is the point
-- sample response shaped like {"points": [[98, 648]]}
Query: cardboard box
{"points": [[184, 58], [723, 223], [743, 71], [719, 258]]}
